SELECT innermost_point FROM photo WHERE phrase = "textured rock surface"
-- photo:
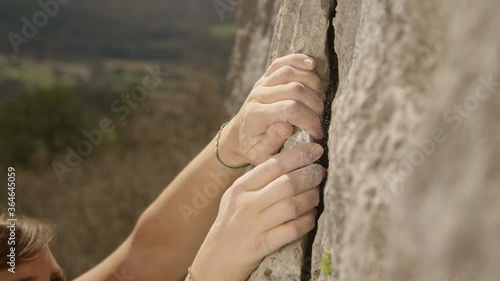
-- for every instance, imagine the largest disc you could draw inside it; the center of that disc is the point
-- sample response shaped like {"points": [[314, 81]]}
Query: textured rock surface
{"points": [[256, 21], [413, 187], [297, 22], [413, 190]]}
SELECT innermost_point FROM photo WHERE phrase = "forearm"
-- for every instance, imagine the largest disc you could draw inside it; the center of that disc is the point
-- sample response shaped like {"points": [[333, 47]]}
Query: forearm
{"points": [[173, 228], [169, 233]]}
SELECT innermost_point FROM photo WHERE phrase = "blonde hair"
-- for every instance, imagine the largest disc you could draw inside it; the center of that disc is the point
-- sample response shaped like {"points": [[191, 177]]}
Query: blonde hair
{"points": [[31, 237]]}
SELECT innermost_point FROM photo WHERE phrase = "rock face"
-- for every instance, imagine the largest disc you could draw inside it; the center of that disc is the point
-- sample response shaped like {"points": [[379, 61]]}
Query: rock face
{"points": [[413, 189], [414, 135], [256, 20], [298, 22]]}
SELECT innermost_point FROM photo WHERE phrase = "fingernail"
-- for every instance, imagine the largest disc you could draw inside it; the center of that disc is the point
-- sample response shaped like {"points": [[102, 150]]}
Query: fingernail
{"points": [[317, 150], [309, 62]]}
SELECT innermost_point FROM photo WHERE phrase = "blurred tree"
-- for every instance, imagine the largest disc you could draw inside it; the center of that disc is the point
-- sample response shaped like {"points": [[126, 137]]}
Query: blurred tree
{"points": [[47, 120]]}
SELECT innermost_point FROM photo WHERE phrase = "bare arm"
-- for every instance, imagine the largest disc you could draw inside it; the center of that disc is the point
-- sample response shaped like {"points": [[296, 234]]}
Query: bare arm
{"points": [[170, 232], [172, 229]]}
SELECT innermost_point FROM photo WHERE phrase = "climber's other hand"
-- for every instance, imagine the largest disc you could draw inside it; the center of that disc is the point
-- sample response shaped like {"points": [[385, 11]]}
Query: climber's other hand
{"points": [[289, 94], [267, 208]]}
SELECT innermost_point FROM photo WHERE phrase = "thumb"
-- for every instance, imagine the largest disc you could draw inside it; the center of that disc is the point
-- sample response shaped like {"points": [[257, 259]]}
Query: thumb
{"points": [[271, 142]]}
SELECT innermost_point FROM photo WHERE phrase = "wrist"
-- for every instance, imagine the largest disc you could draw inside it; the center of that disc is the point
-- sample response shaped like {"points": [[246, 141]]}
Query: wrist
{"points": [[197, 273], [228, 149]]}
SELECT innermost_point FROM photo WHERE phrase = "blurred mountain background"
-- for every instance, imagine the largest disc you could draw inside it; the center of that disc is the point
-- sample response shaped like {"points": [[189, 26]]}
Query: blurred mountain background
{"points": [[65, 80], [150, 29]]}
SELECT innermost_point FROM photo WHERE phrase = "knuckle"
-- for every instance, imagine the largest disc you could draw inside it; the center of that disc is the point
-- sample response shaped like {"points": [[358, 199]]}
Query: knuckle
{"points": [[297, 87], [283, 130], [260, 82], [277, 166], [276, 61], [317, 83], [228, 197], [261, 244], [311, 220], [291, 209], [238, 186], [243, 204], [294, 232], [254, 94], [288, 185], [292, 107], [298, 57], [286, 71]]}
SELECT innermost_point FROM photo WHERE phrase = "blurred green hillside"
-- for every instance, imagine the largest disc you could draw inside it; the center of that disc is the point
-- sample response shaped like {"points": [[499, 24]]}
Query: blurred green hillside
{"points": [[151, 29], [91, 51]]}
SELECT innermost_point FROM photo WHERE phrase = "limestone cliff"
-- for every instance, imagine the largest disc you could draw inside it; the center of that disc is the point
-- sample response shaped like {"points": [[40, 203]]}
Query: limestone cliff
{"points": [[413, 189]]}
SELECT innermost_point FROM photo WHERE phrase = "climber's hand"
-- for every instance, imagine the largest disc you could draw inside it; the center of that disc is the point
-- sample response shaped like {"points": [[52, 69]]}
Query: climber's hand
{"points": [[289, 94], [267, 208]]}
